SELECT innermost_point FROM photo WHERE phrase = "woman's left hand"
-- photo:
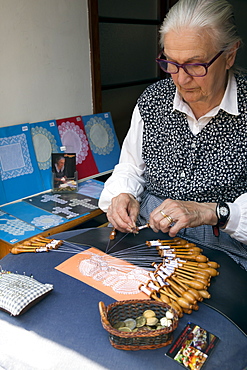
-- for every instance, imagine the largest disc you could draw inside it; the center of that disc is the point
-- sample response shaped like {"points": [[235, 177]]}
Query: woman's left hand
{"points": [[173, 215]]}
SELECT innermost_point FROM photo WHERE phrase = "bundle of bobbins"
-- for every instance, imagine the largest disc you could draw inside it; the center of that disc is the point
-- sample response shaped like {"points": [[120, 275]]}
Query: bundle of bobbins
{"points": [[36, 244], [182, 279]]}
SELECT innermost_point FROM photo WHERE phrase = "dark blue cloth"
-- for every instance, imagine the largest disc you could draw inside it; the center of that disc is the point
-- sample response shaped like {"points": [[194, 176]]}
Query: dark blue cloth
{"points": [[70, 317]]}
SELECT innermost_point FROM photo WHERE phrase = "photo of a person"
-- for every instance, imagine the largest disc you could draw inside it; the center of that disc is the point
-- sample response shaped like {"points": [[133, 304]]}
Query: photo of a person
{"points": [[59, 171], [64, 171]]}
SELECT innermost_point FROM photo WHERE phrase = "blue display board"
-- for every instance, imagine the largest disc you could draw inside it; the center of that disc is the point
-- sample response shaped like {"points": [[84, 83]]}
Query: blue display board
{"points": [[103, 140], [2, 193], [19, 172], [37, 217], [46, 140]]}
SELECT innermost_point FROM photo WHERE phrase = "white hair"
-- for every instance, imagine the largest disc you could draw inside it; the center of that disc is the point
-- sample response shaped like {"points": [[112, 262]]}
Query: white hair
{"points": [[212, 16]]}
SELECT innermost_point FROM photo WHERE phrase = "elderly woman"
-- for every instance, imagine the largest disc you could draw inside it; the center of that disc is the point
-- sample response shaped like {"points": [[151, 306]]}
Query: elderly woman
{"points": [[183, 165], [59, 171]]}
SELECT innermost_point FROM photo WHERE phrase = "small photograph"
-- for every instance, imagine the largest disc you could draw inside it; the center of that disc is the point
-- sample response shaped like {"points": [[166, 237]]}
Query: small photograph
{"points": [[64, 174], [191, 357], [193, 347]]}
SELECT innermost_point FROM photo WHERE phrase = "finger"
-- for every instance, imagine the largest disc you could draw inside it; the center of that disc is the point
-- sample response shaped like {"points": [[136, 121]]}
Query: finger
{"points": [[159, 220], [117, 222], [120, 219]]}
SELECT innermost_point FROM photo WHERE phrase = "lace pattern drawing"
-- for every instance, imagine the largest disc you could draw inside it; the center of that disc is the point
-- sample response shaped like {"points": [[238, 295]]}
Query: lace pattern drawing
{"points": [[44, 144], [47, 221], [74, 139], [14, 157], [14, 226], [112, 276], [100, 135], [123, 280]]}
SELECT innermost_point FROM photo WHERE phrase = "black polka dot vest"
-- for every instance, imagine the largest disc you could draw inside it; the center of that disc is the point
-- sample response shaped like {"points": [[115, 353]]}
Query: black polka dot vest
{"points": [[179, 165]]}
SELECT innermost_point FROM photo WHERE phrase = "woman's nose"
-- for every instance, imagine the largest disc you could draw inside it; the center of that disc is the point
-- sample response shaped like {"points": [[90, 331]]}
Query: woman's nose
{"points": [[183, 77]]}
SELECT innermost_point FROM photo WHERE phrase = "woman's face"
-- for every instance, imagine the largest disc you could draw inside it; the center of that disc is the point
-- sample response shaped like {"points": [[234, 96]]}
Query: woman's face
{"points": [[190, 46], [61, 163]]}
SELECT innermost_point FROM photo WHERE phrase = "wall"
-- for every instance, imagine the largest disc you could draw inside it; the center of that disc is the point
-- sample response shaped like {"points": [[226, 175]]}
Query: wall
{"points": [[240, 9], [44, 63]]}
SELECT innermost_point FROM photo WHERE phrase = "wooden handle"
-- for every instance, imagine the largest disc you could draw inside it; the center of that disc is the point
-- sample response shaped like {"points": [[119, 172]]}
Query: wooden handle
{"points": [[16, 250], [102, 310]]}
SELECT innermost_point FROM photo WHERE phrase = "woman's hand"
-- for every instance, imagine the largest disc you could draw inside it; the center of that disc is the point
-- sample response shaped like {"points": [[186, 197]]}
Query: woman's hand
{"points": [[173, 215], [123, 212]]}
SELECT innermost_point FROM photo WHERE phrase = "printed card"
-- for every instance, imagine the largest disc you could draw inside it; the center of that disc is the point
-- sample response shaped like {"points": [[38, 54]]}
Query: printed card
{"points": [[193, 347]]}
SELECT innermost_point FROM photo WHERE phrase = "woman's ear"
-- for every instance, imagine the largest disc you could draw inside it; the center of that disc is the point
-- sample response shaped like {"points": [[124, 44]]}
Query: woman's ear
{"points": [[231, 56]]}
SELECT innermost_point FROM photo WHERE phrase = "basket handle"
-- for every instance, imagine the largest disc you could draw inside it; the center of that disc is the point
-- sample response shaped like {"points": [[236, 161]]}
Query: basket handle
{"points": [[102, 310]]}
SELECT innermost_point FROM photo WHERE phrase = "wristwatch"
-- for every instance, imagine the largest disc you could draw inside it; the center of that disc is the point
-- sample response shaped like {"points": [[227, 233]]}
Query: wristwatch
{"points": [[223, 214]]}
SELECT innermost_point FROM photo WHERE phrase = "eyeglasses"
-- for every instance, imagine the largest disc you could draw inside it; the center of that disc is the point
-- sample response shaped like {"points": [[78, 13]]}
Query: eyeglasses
{"points": [[192, 69]]}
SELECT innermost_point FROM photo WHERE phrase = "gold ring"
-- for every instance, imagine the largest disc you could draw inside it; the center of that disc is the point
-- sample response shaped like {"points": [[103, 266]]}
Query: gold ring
{"points": [[169, 219]]}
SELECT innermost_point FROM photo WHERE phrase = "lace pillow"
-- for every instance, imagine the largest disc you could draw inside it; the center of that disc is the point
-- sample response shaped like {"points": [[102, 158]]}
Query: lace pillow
{"points": [[19, 292]]}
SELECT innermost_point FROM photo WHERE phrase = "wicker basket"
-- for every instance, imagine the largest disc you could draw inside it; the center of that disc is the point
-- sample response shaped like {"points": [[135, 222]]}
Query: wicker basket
{"points": [[120, 311]]}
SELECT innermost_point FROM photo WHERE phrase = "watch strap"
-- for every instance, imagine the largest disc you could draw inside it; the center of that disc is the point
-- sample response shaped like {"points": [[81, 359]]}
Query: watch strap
{"points": [[222, 219]]}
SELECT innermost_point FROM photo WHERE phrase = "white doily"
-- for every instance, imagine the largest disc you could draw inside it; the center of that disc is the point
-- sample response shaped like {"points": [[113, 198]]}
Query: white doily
{"points": [[74, 139]]}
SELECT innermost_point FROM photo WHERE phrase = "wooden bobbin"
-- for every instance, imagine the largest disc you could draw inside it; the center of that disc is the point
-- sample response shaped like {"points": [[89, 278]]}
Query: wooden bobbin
{"points": [[195, 270], [197, 258], [201, 265], [183, 293], [192, 291], [213, 264], [190, 250], [193, 277], [17, 250], [204, 294], [175, 240], [113, 234], [181, 301], [193, 283], [176, 307]]}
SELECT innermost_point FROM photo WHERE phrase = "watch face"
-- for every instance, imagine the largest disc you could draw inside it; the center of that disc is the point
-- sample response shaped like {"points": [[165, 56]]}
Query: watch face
{"points": [[223, 211]]}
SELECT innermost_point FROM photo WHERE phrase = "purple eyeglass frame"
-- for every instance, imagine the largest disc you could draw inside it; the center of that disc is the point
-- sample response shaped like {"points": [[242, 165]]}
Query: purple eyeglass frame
{"points": [[205, 65]]}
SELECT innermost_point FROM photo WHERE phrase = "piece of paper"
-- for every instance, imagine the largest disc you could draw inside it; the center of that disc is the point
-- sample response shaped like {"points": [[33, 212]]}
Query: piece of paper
{"points": [[112, 276]]}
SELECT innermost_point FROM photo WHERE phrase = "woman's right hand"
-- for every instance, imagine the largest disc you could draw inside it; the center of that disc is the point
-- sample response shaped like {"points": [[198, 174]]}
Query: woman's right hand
{"points": [[123, 212]]}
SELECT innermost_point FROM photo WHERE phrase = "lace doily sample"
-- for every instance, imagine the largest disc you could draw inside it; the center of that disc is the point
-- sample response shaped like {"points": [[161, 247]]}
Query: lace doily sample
{"points": [[74, 138], [46, 140], [19, 170], [13, 230], [103, 140]]}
